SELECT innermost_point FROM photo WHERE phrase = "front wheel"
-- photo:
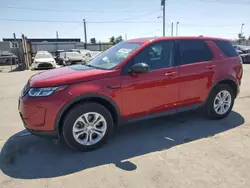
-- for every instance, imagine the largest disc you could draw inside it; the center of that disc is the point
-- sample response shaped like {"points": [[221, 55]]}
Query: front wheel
{"points": [[87, 126], [220, 102]]}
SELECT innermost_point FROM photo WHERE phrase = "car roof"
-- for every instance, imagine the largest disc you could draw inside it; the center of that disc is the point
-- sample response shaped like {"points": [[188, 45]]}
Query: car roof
{"points": [[154, 39], [42, 52], [72, 53]]}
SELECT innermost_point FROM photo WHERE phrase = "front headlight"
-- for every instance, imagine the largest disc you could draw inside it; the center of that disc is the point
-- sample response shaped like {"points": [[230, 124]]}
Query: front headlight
{"points": [[46, 91]]}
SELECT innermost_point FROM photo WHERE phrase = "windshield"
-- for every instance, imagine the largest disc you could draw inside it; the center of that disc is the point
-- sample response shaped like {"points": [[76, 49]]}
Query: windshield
{"points": [[114, 56], [43, 55], [73, 55]]}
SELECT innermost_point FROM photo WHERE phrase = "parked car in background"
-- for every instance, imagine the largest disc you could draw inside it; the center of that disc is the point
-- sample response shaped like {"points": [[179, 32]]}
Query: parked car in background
{"points": [[86, 54], [133, 80], [7, 58], [71, 58], [244, 52], [57, 56], [44, 60], [94, 54]]}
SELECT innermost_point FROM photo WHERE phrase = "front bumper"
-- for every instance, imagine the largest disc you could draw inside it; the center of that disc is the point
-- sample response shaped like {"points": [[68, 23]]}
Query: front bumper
{"points": [[43, 133], [39, 113], [44, 65]]}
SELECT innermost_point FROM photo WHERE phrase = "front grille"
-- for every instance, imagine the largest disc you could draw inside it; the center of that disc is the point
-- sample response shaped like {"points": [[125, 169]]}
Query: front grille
{"points": [[25, 90], [45, 65], [76, 62]]}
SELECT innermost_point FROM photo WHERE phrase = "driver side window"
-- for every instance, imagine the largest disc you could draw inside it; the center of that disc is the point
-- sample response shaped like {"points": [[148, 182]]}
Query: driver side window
{"points": [[157, 56]]}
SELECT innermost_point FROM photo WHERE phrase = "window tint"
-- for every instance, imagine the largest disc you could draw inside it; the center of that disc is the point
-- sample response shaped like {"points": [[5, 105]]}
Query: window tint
{"points": [[193, 51], [227, 48], [157, 55]]}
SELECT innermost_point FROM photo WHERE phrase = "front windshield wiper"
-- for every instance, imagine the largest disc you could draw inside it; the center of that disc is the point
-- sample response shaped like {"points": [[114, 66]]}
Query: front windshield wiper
{"points": [[92, 66]]}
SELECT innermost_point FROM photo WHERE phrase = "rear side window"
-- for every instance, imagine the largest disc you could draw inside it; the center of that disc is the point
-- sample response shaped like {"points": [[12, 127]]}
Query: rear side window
{"points": [[193, 51], [226, 47]]}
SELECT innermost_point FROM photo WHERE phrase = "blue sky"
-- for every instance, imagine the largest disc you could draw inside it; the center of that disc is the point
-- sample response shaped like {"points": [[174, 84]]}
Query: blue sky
{"points": [[196, 17]]}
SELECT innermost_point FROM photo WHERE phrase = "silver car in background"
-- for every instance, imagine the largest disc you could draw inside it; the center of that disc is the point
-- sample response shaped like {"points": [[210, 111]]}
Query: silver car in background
{"points": [[71, 58], [8, 58], [44, 59]]}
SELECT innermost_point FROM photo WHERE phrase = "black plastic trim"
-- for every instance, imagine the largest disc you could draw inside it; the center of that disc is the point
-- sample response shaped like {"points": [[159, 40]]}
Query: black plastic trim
{"points": [[82, 97], [217, 82], [164, 113], [49, 134]]}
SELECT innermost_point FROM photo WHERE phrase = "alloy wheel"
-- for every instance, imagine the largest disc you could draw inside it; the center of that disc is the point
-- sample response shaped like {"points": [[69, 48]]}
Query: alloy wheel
{"points": [[89, 128], [222, 102]]}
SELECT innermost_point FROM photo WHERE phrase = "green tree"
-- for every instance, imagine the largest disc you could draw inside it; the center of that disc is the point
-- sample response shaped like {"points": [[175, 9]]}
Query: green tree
{"points": [[112, 39], [118, 39]]}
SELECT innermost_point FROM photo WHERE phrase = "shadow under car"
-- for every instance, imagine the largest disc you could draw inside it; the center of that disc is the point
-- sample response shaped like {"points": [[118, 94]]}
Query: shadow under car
{"points": [[36, 157]]}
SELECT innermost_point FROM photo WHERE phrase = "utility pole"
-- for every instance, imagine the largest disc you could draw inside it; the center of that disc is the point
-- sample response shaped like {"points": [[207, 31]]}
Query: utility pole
{"points": [[172, 29], [163, 14], [85, 33], [177, 24], [57, 40], [18, 53], [126, 36]]}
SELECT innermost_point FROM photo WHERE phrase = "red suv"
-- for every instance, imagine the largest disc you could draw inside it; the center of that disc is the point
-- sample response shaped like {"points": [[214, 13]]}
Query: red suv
{"points": [[135, 79]]}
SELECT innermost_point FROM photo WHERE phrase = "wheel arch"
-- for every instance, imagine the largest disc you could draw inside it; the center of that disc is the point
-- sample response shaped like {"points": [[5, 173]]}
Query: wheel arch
{"points": [[91, 97], [227, 81]]}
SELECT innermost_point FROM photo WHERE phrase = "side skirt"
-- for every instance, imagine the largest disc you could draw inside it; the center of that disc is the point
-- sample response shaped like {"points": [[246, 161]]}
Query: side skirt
{"points": [[160, 114]]}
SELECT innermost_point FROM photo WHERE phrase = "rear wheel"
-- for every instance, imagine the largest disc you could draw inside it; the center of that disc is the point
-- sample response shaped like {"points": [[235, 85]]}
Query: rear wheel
{"points": [[87, 127], [220, 102]]}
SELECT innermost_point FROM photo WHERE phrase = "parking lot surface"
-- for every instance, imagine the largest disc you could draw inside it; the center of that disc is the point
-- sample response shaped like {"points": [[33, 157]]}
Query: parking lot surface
{"points": [[187, 150]]}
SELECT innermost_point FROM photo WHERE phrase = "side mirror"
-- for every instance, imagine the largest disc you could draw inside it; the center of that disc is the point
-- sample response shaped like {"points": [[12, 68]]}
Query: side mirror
{"points": [[139, 68]]}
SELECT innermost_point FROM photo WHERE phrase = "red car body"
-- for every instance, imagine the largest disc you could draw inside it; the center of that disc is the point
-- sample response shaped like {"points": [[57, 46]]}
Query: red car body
{"points": [[127, 96]]}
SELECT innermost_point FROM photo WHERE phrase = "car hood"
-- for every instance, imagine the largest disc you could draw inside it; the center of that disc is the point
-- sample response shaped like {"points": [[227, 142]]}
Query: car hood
{"points": [[44, 59], [69, 75]]}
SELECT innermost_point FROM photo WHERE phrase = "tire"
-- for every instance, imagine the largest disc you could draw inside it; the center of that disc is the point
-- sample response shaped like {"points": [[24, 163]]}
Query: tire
{"points": [[210, 108], [78, 117]]}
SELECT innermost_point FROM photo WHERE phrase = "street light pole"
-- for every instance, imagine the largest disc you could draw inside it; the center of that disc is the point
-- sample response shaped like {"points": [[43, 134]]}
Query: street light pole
{"points": [[85, 34], [241, 31], [172, 29], [177, 24], [163, 14]]}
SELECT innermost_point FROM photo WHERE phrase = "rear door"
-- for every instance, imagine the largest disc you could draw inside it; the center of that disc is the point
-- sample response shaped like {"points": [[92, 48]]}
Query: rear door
{"points": [[196, 71]]}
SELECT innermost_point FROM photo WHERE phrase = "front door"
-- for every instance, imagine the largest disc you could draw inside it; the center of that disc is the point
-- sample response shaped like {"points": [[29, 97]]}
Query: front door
{"points": [[156, 90]]}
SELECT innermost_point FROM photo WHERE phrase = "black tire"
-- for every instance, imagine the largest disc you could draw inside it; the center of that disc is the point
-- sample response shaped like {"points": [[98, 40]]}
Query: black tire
{"points": [[75, 113], [209, 107]]}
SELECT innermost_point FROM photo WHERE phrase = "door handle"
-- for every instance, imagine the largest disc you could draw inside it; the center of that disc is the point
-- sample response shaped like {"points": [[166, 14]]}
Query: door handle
{"points": [[210, 66], [170, 74]]}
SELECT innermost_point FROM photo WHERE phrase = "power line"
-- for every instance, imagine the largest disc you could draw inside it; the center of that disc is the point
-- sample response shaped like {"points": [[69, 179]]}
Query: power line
{"points": [[64, 21], [239, 2], [111, 22], [38, 21], [74, 10], [55, 21], [197, 25]]}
